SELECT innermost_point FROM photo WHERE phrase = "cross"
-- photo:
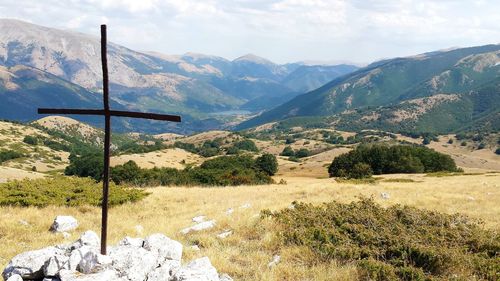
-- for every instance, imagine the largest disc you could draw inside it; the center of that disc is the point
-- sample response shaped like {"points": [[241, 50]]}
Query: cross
{"points": [[107, 113]]}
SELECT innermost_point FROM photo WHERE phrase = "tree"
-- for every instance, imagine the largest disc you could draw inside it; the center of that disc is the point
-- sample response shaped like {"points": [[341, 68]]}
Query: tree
{"points": [[248, 145], [267, 163], [127, 172], [301, 153], [360, 171], [30, 140], [90, 165], [232, 150], [287, 151]]}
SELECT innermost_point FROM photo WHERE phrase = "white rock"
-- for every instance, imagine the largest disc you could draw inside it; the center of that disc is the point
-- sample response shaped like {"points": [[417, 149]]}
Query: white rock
{"points": [[276, 259], [52, 267], [165, 271], [224, 234], [133, 263], [15, 277], [77, 255], [64, 224], [245, 206], [93, 262], [229, 211], [225, 277], [30, 264], [198, 270], [106, 275], [66, 235], [199, 219], [385, 195], [198, 227], [139, 229], [164, 247], [195, 248], [88, 238], [23, 222], [129, 241]]}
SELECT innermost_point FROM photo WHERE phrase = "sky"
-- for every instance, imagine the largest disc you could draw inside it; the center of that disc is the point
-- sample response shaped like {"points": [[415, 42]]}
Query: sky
{"points": [[359, 31]]}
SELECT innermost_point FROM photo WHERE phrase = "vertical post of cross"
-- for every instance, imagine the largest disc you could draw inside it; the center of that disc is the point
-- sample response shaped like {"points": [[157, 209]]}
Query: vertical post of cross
{"points": [[107, 140]]}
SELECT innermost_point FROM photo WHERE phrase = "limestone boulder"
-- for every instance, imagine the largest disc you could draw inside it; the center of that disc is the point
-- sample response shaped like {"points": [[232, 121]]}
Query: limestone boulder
{"points": [[64, 224], [29, 265], [163, 247], [55, 264], [93, 262], [198, 270], [88, 238], [133, 263]]}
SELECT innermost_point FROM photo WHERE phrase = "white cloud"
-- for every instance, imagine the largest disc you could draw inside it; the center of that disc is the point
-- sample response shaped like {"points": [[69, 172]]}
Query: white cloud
{"points": [[282, 30]]}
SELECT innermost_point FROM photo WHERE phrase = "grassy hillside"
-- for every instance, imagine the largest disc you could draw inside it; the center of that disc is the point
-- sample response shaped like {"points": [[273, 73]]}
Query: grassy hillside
{"points": [[390, 82], [246, 253]]}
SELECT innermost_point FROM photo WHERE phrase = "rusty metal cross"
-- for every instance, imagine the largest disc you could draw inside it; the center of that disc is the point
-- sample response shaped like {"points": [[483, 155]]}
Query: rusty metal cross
{"points": [[107, 113]]}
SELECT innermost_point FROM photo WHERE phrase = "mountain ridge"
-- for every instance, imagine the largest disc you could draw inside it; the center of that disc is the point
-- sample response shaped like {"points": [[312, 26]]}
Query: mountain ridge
{"points": [[392, 81], [190, 84]]}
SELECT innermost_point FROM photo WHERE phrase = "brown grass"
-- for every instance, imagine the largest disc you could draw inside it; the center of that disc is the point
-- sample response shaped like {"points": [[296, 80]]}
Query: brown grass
{"points": [[246, 253]]}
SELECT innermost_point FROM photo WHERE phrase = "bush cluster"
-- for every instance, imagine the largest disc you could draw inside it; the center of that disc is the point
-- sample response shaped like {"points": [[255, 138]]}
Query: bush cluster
{"points": [[7, 155], [63, 191], [246, 144], [301, 153], [383, 159], [220, 171], [397, 243], [30, 140], [207, 149]]}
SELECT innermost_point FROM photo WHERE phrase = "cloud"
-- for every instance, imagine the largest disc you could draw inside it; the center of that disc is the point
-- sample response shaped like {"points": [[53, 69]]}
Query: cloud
{"points": [[282, 30]]}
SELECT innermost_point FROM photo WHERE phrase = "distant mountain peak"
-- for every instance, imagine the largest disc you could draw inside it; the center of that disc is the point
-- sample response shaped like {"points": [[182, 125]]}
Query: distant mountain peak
{"points": [[253, 58]]}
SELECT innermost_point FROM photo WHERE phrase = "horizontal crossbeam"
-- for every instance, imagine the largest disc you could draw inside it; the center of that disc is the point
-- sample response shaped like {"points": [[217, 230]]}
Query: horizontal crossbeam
{"points": [[131, 114]]}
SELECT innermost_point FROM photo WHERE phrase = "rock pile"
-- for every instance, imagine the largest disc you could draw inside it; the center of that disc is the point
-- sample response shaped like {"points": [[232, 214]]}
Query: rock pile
{"points": [[155, 258]]}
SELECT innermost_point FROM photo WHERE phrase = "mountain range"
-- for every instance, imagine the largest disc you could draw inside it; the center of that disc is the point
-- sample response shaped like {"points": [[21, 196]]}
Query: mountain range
{"points": [[442, 91], [51, 67]]}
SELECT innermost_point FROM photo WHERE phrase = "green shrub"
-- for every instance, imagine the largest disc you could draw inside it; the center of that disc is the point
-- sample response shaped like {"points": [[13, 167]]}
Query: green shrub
{"points": [[220, 171], [7, 155], [30, 140], [247, 145], [287, 151], [450, 141], [426, 141], [301, 153], [232, 150], [464, 143], [497, 151], [360, 171], [91, 165], [267, 163], [63, 191], [397, 243], [392, 159], [481, 145]]}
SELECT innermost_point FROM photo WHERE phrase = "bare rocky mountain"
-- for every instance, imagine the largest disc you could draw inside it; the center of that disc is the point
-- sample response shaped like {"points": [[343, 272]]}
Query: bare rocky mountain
{"points": [[191, 84]]}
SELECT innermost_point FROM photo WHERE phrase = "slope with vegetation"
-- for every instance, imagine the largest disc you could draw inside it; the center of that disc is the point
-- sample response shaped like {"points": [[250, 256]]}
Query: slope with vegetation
{"points": [[467, 78]]}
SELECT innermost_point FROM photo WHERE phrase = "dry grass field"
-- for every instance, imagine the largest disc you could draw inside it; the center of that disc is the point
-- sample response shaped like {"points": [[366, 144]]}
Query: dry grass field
{"points": [[171, 158], [245, 254]]}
